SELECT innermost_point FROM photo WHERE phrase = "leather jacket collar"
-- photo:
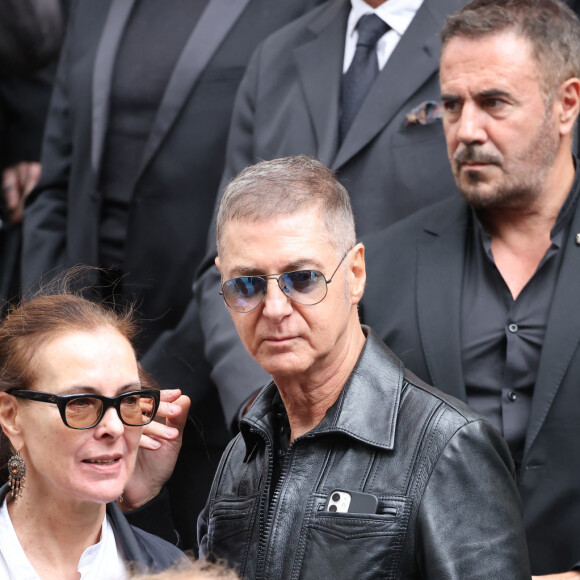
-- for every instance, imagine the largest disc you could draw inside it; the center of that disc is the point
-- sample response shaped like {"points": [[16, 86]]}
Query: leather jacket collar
{"points": [[353, 412]]}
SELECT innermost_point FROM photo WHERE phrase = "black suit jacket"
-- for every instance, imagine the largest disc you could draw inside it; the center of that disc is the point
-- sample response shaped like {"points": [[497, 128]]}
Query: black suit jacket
{"points": [[174, 193], [413, 301], [288, 104]]}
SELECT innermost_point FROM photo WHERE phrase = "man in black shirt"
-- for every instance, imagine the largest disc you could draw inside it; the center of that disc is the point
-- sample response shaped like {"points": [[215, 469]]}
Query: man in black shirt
{"points": [[479, 295]]}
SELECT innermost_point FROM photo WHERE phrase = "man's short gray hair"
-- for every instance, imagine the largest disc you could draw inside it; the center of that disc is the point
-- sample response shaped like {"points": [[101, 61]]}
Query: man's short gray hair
{"points": [[286, 186], [552, 29]]}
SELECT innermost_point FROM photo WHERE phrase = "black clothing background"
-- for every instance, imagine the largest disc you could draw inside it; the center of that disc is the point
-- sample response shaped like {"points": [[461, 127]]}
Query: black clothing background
{"points": [[30, 34], [146, 57]]}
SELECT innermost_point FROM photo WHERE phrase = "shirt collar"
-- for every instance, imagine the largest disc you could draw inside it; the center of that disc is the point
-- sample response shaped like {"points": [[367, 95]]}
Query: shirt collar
{"points": [[398, 14]]}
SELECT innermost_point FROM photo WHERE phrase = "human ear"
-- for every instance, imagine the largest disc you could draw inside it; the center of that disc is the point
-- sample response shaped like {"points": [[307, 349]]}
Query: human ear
{"points": [[10, 420], [568, 105], [357, 273], [217, 263]]}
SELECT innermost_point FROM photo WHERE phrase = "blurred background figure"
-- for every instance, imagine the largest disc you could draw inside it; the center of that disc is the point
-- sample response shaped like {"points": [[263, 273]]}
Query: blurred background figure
{"points": [[31, 32], [192, 571], [132, 159], [73, 403]]}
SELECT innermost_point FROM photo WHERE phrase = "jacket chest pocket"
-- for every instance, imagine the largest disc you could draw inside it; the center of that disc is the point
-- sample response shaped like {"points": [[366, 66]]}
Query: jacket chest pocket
{"points": [[353, 545], [230, 526]]}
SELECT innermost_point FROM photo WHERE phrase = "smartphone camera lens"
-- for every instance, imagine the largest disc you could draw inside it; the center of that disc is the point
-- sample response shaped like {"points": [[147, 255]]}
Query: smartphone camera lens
{"points": [[332, 508], [336, 497]]}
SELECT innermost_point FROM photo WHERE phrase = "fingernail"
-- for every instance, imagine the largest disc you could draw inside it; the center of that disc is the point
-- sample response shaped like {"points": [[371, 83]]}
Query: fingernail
{"points": [[171, 432]]}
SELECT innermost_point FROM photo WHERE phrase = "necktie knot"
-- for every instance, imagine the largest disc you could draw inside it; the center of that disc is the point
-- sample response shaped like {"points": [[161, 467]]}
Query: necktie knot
{"points": [[364, 68], [370, 28]]}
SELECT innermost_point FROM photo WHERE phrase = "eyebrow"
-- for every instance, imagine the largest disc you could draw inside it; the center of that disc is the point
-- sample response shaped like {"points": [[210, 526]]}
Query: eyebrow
{"points": [[305, 263], [85, 389], [494, 93], [483, 94]]}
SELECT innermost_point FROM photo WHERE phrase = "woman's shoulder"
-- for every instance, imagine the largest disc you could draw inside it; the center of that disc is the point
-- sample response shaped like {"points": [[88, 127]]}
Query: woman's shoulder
{"points": [[143, 549], [162, 553]]}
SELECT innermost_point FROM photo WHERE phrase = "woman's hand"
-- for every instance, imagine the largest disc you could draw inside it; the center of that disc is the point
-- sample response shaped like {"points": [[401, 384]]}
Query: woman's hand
{"points": [[159, 448]]}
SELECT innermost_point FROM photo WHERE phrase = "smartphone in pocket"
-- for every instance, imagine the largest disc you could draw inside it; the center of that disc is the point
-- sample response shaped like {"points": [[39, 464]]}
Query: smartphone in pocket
{"points": [[343, 501]]}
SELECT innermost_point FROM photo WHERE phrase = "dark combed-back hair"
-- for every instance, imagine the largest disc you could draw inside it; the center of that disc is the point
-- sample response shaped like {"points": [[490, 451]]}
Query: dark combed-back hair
{"points": [[36, 320], [551, 28]]}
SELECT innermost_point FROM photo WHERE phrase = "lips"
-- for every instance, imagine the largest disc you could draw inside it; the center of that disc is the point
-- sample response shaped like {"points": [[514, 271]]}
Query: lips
{"points": [[473, 165], [278, 339], [102, 460]]}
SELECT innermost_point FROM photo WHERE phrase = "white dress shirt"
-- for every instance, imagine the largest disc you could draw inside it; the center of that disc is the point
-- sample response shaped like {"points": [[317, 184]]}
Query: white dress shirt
{"points": [[396, 13], [102, 561]]}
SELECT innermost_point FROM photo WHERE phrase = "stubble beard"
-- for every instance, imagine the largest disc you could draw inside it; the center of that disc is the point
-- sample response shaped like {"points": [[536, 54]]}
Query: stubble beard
{"points": [[521, 183]]}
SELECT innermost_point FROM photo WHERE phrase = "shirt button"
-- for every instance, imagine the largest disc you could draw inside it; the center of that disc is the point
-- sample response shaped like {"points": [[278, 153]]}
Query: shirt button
{"points": [[513, 327], [512, 396]]}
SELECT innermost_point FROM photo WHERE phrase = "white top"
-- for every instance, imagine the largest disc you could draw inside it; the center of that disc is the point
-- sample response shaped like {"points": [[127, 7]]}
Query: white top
{"points": [[396, 13], [102, 561]]}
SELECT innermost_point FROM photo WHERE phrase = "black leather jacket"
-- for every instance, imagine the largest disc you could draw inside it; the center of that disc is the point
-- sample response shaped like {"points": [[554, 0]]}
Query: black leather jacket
{"points": [[448, 506]]}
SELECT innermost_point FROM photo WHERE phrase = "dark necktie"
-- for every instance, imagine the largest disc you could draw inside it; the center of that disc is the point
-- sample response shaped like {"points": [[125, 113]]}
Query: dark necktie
{"points": [[358, 79]]}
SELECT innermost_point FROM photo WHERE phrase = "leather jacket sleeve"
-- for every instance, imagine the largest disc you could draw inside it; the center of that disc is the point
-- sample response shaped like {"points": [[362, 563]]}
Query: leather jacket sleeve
{"points": [[472, 481]]}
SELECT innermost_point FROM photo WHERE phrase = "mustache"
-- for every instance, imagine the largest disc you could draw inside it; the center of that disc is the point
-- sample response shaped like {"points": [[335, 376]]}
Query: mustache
{"points": [[471, 154]]}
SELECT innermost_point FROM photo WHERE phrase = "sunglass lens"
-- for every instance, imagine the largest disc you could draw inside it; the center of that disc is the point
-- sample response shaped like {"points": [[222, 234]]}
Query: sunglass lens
{"points": [[245, 293], [137, 409], [83, 412], [305, 286]]}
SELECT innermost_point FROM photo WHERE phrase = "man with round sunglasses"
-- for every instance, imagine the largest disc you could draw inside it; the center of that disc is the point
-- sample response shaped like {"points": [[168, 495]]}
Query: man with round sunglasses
{"points": [[346, 464]]}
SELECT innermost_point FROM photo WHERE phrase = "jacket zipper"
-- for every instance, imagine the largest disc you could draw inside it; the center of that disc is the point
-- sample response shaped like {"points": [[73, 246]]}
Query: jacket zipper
{"points": [[267, 519], [265, 495]]}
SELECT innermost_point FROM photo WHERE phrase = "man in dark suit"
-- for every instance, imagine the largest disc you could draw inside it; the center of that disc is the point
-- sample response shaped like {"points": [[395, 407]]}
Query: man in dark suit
{"points": [[390, 155], [132, 160], [480, 295]]}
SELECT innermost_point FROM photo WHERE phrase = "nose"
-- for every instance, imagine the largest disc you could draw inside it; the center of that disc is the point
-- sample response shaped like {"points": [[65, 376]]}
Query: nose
{"points": [[110, 425], [277, 304], [470, 125]]}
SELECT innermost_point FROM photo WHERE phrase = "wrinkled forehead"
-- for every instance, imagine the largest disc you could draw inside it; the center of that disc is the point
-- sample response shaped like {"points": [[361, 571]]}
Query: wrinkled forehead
{"points": [[491, 62], [275, 245]]}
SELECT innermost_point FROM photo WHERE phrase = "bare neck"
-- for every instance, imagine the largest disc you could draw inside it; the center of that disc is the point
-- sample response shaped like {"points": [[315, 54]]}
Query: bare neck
{"points": [[521, 237], [309, 396], [66, 530]]}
